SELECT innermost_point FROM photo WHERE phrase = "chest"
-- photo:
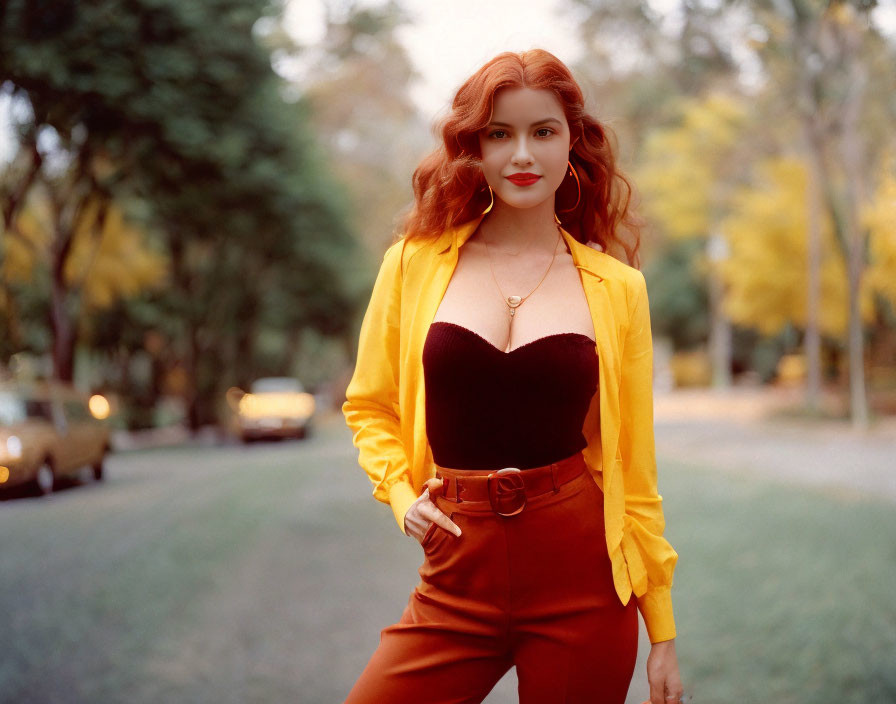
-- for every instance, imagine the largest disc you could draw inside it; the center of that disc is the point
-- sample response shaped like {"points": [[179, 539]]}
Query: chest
{"points": [[554, 300]]}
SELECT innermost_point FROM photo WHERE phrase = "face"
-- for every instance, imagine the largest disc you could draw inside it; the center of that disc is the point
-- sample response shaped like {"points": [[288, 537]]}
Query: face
{"points": [[528, 134]]}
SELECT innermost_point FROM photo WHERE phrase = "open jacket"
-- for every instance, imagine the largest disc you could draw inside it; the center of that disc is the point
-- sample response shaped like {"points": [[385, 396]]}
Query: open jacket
{"points": [[385, 404]]}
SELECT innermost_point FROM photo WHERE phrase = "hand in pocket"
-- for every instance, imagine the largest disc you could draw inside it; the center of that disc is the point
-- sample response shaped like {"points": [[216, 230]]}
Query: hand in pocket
{"points": [[424, 512]]}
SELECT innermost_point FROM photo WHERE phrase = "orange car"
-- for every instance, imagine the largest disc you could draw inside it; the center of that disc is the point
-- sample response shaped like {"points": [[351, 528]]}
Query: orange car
{"points": [[48, 432]]}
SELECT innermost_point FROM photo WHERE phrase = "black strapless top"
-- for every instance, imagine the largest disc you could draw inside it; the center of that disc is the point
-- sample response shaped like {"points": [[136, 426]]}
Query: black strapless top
{"points": [[487, 409]]}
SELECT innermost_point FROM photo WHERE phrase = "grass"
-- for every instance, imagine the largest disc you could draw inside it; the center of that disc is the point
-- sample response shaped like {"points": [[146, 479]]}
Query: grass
{"points": [[782, 594]]}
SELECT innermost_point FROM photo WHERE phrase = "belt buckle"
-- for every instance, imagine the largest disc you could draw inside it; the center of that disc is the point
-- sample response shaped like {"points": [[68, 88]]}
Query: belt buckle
{"points": [[517, 490]]}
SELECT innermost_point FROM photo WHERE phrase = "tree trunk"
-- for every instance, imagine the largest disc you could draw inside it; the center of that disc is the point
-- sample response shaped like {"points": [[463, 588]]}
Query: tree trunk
{"points": [[720, 326], [855, 238], [62, 326], [191, 364], [812, 342], [292, 349]]}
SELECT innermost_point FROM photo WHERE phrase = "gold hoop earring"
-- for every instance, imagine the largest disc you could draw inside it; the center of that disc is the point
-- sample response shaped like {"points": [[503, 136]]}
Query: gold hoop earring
{"points": [[492, 194], [578, 189]]}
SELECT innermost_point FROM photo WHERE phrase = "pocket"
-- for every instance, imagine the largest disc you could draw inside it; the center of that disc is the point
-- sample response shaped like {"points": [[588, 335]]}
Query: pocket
{"points": [[428, 534], [434, 535]]}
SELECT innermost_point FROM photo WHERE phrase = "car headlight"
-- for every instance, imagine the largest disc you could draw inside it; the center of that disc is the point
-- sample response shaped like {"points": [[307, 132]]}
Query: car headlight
{"points": [[14, 447]]}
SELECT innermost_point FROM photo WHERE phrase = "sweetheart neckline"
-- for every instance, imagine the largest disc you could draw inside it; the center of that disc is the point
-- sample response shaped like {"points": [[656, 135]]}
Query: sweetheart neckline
{"points": [[523, 346]]}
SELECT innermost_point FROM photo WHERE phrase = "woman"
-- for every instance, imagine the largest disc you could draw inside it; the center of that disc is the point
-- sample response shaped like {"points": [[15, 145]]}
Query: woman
{"points": [[502, 406]]}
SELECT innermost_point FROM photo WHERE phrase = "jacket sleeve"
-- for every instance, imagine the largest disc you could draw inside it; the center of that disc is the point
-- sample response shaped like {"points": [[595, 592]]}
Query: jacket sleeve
{"points": [[650, 557], [371, 406]]}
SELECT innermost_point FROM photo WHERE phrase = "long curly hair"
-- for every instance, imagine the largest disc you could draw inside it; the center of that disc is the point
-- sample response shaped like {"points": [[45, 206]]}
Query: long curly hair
{"points": [[450, 188]]}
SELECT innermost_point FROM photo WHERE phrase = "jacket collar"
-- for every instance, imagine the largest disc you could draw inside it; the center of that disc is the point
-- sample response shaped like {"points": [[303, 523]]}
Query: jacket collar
{"points": [[582, 255]]}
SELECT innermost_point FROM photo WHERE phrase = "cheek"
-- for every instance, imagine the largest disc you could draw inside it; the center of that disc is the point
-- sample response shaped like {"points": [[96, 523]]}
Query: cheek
{"points": [[555, 164], [492, 164]]}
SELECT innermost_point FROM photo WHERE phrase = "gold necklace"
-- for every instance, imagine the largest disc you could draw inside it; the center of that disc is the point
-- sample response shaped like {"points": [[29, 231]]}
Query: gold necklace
{"points": [[513, 302]]}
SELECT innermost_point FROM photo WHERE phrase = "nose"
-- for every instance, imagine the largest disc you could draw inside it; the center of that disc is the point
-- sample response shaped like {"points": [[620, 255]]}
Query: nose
{"points": [[521, 154]]}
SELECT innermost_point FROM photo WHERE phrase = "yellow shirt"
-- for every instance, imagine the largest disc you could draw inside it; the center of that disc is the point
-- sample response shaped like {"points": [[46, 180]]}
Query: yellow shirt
{"points": [[385, 404]]}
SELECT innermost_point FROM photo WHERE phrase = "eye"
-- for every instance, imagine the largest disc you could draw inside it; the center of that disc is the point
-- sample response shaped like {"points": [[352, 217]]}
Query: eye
{"points": [[548, 130], [495, 134]]}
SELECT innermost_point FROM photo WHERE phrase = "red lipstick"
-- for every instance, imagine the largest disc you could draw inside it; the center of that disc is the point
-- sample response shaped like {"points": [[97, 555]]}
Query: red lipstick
{"points": [[523, 178]]}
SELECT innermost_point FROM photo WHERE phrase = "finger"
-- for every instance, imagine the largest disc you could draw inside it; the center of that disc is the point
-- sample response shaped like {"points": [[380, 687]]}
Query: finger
{"points": [[674, 690], [447, 523], [435, 486], [431, 512], [419, 516]]}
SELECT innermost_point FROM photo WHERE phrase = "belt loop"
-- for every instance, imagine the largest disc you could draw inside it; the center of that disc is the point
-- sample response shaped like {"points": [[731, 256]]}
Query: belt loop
{"points": [[457, 489], [554, 477]]}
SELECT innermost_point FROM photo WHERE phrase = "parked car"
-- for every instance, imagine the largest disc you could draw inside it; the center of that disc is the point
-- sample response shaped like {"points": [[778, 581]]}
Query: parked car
{"points": [[274, 407], [48, 432]]}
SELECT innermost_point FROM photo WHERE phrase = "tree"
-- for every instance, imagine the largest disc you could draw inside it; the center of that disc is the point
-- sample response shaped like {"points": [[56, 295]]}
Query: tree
{"points": [[879, 217], [768, 269], [823, 55], [358, 93], [175, 107], [687, 173]]}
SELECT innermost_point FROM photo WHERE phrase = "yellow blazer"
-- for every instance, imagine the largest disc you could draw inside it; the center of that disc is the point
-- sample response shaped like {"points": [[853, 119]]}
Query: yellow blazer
{"points": [[385, 404]]}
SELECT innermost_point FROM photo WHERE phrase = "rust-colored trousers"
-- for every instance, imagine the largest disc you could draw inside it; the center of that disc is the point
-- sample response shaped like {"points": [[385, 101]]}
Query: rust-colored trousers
{"points": [[534, 590]]}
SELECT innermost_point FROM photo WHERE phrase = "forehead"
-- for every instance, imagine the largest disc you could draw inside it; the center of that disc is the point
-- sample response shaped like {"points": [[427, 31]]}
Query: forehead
{"points": [[525, 105]]}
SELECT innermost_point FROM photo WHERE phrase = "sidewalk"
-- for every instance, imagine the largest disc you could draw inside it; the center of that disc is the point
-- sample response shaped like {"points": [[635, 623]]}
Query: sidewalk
{"points": [[747, 431]]}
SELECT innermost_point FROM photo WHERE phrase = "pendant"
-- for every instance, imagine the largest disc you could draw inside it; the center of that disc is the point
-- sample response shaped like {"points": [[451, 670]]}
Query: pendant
{"points": [[513, 302]]}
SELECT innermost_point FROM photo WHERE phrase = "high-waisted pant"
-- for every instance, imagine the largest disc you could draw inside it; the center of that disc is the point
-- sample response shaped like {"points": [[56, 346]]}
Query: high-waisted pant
{"points": [[534, 590]]}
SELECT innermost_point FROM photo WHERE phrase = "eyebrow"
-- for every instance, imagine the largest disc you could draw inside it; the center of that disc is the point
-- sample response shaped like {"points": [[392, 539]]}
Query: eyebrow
{"points": [[539, 122]]}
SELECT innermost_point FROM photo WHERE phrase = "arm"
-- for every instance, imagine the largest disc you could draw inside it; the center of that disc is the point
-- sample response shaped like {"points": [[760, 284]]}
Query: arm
{"points": [[650, 557], [371, 405]]}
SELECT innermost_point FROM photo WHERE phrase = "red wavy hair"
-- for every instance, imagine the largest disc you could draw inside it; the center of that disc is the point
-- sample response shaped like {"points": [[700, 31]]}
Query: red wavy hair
{"points": [[450, 189]]}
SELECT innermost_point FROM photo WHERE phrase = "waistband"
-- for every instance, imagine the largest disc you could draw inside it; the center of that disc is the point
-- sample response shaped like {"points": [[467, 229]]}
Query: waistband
{"points": [[505, 490]]}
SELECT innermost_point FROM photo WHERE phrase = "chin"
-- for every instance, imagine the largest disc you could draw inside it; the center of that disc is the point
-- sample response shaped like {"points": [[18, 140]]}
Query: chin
{"points": [[523, 202]]}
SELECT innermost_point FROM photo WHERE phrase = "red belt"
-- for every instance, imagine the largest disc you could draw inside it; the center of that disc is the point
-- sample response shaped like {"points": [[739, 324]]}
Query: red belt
{"points": [[507, 489]]}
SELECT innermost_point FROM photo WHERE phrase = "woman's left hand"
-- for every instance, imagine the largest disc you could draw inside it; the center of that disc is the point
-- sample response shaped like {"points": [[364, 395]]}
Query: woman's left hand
{"points": [[662, 673]]}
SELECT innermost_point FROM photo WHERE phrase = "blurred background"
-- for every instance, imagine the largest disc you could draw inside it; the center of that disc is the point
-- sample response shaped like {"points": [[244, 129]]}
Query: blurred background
{"points": [[195, 202]]}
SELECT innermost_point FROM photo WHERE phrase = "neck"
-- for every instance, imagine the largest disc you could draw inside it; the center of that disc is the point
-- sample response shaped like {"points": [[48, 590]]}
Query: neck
{"points": [[513, 228]]}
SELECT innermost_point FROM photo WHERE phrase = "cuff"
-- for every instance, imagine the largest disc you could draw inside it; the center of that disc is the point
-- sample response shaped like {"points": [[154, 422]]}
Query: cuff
{"points": [[401, 496], [656, 609]]}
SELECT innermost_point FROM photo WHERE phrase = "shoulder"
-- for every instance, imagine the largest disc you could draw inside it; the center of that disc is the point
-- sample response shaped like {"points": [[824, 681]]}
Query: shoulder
{"points": [[609, 267], [405, 248], [409, 249], [622, 283]]}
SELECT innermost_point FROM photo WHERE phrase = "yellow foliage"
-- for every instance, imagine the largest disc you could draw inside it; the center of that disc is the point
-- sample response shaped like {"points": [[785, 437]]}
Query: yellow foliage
{"points": [[24, 247], [880, 219], [680, 175], [111, 259], [108, 260], [691, 368], [792, 370], [767, 270]]}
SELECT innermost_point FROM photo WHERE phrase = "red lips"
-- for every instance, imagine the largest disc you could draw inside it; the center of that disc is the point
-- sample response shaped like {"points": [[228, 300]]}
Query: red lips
{"points": [[523, 179]]}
